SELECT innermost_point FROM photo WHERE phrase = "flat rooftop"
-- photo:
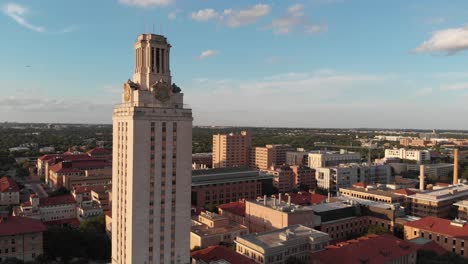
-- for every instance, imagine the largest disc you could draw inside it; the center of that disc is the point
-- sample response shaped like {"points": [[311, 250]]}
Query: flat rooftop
{"points": [[226, 175], [463, 203], [366, 202], [283, 236], [204, 230], [276, 204], [442, 194], [325, 207], [373, 192]]}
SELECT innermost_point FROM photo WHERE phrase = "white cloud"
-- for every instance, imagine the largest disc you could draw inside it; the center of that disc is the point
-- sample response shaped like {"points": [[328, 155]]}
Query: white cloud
{"points": [[294, 19], [455, 87], [205, 15], [236, 18], [315, 29], [208, 53], [448, 41], [17, 13], [146, 3], [424, 91], [233, 18], [173, 15]]}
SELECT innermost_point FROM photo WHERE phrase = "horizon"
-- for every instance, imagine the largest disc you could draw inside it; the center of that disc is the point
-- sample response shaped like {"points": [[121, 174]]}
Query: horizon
{"points": [[308, 64], [405, 130]]}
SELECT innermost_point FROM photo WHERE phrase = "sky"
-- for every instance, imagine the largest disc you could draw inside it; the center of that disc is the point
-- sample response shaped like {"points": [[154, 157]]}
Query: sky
{"points": [[277, 63]]}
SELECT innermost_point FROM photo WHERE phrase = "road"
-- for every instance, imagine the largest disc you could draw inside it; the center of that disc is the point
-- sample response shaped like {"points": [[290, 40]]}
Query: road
{"points": [[35, 184]]}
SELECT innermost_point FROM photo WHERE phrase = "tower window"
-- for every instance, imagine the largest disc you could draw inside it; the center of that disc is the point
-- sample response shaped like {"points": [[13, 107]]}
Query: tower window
{"points": [[162, 61], [152, 59], [157, 60]]}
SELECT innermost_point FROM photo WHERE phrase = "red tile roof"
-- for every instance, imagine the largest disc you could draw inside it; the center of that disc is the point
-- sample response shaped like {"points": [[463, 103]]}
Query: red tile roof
{"points": [[440, 226], [304, 198], [101, 151], [57, 200], [78, 165], [360, 185], [214, 253], [404, 192], [8, 185], [368, 249], [432, 246], [89, 188], [64, 156], [237, 208], [442, 184], [14, 225]]}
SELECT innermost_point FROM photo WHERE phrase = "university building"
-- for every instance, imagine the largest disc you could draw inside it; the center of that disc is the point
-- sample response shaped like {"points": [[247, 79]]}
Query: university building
{"points": [[152, 160]]}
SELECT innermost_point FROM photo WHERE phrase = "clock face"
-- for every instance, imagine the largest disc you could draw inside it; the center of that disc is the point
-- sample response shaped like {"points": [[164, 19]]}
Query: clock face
{"points": [[162, 91], [127, 92]]}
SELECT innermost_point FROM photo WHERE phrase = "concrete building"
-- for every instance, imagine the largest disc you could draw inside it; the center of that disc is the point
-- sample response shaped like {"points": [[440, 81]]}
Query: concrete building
{"points": [[73, 173], [224, 185], [234, 211], [437, 202], [449, 234], [211, 229], [368, 249], [373, 194], [218, 255], [462, 209], [408, 154], [21, 238], [270, 213], [342, 176], [59, 210], [298, 157], [332, 158], [275, 247], [271, 155], [9, 191], [202, 161], [232, 150], [412, 142], [152, 157], [44, 162], [286, 178]]}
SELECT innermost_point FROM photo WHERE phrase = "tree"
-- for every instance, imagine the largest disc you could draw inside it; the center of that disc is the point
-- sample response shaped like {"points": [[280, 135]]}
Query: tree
{"points": [[195, 248], [60, 191], [94, 224], [376, 229], [22, 172]]}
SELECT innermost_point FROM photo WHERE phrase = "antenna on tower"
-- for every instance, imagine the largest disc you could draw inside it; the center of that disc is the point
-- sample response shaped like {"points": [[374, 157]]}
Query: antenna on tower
{"points": [[153, 29]]}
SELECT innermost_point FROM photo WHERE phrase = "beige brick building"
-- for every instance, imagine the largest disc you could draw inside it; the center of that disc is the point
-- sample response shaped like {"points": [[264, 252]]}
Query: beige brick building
{"points": [[21, 238], [210, 229], [450, 234], [276, 246], [232, 150], [274, 213], [270, 155]]}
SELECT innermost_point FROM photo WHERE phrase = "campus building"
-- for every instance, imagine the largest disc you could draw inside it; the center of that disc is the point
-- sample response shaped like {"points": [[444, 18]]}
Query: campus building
{"points": [[232, 150]]}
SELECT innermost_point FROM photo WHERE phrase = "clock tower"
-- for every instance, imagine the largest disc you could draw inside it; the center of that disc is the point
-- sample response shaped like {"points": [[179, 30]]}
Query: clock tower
{"points": [[152, 155]]}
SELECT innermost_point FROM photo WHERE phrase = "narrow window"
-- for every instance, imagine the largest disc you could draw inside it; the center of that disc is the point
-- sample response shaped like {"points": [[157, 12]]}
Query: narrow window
{"points": [[157, 60], [152, 59], [162, 61]]}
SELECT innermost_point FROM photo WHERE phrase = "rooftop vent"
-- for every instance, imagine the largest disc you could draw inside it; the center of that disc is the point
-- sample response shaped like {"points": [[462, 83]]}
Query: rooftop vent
{"points": [[458, 222]]}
